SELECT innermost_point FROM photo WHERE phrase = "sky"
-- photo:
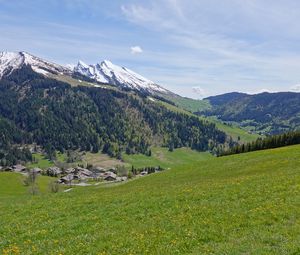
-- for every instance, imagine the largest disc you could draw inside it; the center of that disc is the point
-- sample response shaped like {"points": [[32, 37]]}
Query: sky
{"points": [[196, 48]]}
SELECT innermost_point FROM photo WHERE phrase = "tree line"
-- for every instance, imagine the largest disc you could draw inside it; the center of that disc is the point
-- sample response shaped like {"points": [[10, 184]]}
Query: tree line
{"points": [[275, 141]]}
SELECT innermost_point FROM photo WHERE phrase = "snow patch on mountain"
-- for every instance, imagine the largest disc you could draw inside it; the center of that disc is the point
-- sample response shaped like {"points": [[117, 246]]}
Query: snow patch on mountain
{"points": [[10, 61], [107, 72]]}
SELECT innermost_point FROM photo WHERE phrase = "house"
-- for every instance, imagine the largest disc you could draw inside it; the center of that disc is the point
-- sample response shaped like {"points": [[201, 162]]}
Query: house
{"points": [[79, 176], [67, 179], [7, 169], [113, 169], [53, 171], [99, 169], [107, 173], [71, 170], [110, 176], [85, 172], [19, 168], [144, 173]]}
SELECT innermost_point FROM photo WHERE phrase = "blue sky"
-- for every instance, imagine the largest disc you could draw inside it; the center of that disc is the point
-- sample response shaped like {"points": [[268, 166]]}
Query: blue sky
{"points": [[196, 48]]}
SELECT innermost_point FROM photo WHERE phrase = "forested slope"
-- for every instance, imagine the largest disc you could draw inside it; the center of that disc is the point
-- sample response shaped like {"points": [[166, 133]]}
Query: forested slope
{"points": [[265, 113], [58, 117]]}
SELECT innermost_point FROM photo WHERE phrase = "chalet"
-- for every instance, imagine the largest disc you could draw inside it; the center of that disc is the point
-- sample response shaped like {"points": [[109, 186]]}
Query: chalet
{"points": [[110, 176], [107, 173], [19, 168], [53, 171], [7, 169], [79, 176], [67, 179], [99, 169], [71, 170], [83, 171], [113, 169]]}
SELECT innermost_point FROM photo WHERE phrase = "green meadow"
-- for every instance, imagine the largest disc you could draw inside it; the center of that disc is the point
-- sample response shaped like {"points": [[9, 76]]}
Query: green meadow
{"points": [[164, 158], [237, 133], [240, 204], [41, 161]]}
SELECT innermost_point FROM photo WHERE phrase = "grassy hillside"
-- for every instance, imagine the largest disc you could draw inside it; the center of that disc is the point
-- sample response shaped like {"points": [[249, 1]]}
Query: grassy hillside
{"points": [[164, 158], [234, 131], [11, 185], [241, 204], [189, 104], [264, 113]]}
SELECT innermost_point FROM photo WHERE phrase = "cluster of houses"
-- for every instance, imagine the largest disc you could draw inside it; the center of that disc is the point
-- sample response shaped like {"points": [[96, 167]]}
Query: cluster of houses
{"points": [[83, 174], [21, 169], [71, 174], [76, 175]]}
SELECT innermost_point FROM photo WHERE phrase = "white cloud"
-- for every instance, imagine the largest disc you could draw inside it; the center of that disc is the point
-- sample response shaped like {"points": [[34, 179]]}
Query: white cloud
{"points": [[261, 91], [136, 50], [199, 91], [223, 45], [295, 88]]}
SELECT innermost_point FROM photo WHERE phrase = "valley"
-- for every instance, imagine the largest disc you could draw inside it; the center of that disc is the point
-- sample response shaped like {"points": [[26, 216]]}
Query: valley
{"points": [[235, 204], [159, 127], [100, 160]]}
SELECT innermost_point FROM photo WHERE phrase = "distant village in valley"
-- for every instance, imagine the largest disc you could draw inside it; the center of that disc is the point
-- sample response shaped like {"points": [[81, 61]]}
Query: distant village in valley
{"points": [[80, 176]]}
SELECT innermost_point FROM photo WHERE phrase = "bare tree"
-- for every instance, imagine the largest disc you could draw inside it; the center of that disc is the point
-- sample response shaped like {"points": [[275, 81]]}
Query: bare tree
{"points": [[30, 181]]}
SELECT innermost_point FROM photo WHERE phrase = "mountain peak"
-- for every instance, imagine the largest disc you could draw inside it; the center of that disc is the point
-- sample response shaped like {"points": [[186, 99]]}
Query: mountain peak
{"points": [[10, 61], [107, 63], [106, 72], [81, 63]]}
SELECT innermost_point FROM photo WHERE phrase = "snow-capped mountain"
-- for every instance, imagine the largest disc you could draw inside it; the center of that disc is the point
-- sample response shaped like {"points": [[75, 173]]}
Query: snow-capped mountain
{"points": [[10, 61], [107, 72]]}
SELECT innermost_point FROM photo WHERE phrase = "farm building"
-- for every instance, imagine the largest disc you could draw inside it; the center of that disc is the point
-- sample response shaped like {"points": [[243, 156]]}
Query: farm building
{"points": [[110, 176], [18, 168], [67, 179], [53, 171]]}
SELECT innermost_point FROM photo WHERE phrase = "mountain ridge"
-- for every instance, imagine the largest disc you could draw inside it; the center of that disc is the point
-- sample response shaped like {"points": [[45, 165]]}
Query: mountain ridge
{"points": [[109, 73], [264, 113], [10, 61], [106, 72], [58, 116]]}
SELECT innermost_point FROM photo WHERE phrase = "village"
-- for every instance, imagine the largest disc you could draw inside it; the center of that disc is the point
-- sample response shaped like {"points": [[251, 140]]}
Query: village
{"points": [[80, 176]]}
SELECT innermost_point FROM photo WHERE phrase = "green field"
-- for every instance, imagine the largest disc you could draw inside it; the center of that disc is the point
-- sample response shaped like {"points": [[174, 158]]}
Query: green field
{"points": [[11, 185], [234, 131], [41, 162], [164, 158], [189, 104], [240, 204]]}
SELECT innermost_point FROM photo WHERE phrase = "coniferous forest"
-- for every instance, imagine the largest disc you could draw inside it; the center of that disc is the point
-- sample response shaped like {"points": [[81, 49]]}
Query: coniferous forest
{"points": [[57, 116], [270, 142]]}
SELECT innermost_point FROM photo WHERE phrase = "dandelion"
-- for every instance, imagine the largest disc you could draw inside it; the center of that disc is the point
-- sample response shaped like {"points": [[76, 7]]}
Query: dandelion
{"points": [[12, 249]]}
